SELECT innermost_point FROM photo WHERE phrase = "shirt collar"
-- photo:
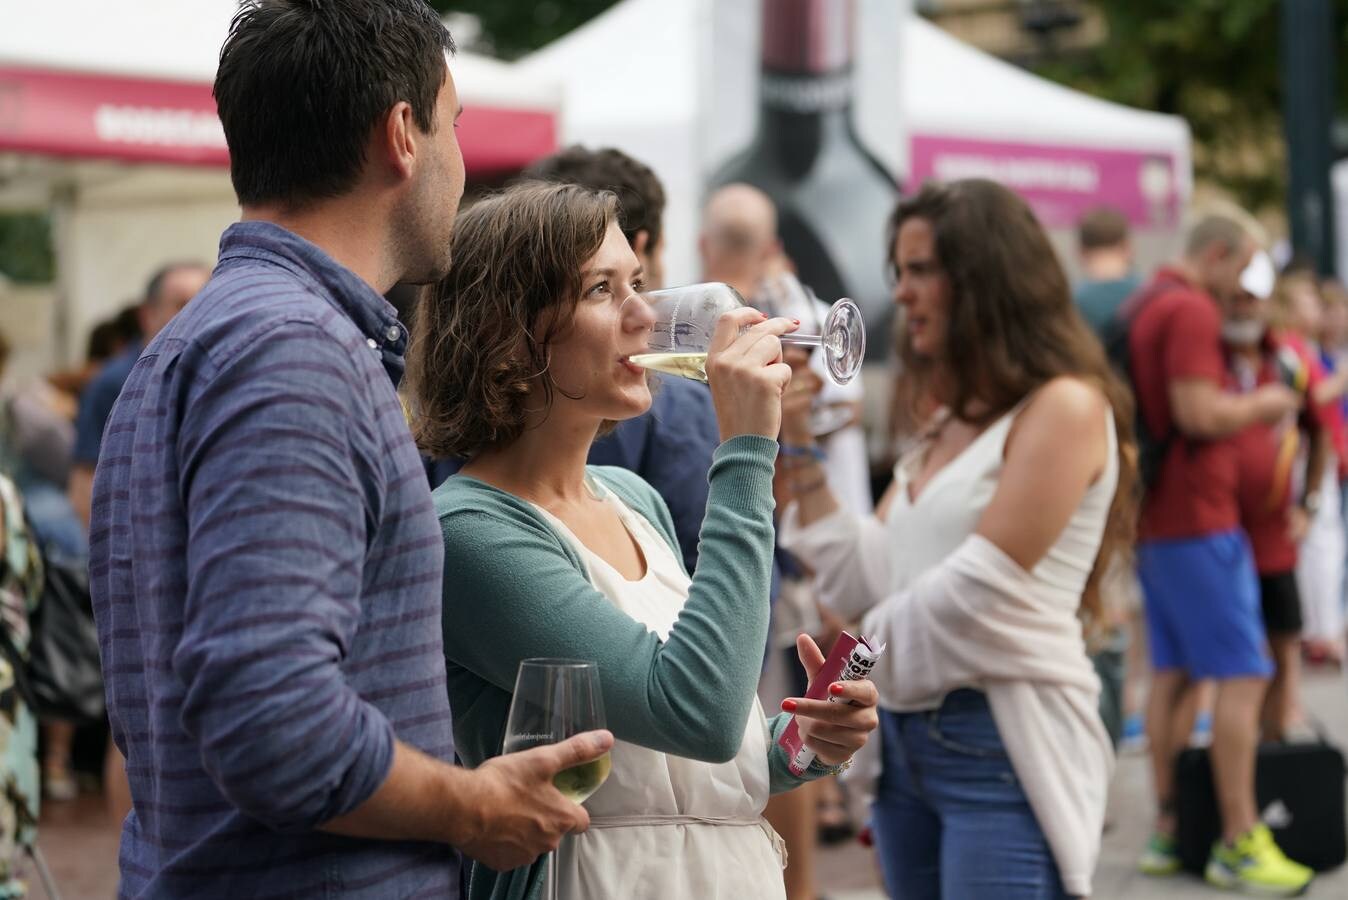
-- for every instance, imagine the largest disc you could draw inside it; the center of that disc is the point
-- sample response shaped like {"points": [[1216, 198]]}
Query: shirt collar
{"points": [[1174, 273], [357, 301]]}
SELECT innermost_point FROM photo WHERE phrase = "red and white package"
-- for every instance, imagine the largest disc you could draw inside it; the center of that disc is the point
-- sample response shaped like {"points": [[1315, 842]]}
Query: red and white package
{"points": [[851, 659]]}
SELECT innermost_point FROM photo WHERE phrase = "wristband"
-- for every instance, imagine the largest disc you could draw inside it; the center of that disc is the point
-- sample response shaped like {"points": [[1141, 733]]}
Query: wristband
{"points": [[799, 462], [802, 450], [809, 487]]}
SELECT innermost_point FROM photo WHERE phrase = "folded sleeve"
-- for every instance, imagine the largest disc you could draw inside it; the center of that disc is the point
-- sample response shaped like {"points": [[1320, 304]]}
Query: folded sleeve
{"points": [[848, 553]]}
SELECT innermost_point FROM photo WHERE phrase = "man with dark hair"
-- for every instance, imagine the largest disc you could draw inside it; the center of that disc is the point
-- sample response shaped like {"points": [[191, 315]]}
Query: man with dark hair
{"points": [[266, 564], [671, 445], [641, 197], [1106, 255]]}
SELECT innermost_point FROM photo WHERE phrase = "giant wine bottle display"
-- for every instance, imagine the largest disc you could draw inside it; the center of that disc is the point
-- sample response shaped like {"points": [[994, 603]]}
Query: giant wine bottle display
{"points": [[833, 197]]}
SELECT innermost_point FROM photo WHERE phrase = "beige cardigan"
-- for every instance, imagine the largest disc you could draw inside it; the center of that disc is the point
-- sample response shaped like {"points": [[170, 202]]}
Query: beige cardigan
{"points": [[978, 620]]}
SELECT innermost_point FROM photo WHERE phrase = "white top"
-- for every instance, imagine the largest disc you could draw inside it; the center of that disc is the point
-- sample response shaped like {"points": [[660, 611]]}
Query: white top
{"points": [[956, 611], [664, 825], [925, 532], [915, 536]]}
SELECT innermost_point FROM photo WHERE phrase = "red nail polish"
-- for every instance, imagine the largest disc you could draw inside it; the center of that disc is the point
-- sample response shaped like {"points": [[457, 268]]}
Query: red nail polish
{"points": [[835, 689], [797, 321], [789, 705]]}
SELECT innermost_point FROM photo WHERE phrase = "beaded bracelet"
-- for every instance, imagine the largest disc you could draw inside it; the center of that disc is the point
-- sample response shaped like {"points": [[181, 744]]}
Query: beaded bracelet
{"points": [[834, 770]]}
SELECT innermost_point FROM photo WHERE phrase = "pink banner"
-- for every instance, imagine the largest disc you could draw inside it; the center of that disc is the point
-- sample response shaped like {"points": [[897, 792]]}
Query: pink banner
{"points": [[1059, 182], [144, 120]]}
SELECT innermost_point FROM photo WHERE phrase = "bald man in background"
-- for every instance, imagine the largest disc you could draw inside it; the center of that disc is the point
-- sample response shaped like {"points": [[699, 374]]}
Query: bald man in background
{"points": [[739, 242], [739, 246]]}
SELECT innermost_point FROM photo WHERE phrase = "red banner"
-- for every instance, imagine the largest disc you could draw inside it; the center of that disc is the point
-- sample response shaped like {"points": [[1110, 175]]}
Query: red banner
{"points": [[142, 120]]}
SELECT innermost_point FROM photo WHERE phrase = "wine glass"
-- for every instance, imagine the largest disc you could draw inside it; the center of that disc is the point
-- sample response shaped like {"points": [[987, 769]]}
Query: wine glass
{"points": [[555, 699], [782, 294], [686, 317]]}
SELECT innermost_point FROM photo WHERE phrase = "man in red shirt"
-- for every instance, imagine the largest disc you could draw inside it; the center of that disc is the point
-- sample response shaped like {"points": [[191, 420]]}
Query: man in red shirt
{"points": [[1194, 561]]}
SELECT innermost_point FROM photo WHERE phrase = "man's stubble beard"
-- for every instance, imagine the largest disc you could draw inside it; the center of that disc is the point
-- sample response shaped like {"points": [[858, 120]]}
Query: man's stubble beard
{"points": [[422, 230]]}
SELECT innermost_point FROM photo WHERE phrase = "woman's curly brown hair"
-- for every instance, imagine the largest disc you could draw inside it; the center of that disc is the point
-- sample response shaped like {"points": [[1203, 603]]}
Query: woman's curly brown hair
{"points": [[482, 335]]}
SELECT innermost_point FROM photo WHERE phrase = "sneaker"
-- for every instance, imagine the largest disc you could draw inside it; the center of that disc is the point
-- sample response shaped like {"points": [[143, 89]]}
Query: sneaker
{"points": [[1134, 737], [1161, 856], [1255, 865], [1202, 733]]}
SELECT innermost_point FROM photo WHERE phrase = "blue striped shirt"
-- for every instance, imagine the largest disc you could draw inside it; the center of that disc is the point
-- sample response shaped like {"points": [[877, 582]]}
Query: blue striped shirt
{"points": [[266, 575]]}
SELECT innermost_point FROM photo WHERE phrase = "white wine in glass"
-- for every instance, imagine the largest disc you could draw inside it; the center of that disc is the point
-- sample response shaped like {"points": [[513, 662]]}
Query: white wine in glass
{"points": [[556, 699], [579, 782], [684, 365]]}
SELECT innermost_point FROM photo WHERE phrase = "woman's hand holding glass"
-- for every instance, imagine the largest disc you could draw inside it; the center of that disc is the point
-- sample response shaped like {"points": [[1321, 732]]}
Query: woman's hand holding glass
{"points": [[837, 728], [746, 373]]}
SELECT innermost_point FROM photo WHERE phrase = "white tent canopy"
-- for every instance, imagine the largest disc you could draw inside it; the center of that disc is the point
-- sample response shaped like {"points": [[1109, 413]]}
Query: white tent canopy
{"points": [[630, 80], [180, 40], [952, 88]]}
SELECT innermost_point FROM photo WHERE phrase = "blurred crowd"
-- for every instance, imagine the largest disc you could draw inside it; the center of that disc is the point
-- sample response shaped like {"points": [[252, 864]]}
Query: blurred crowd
{"points": [[1290, 462], [1158, 580]]}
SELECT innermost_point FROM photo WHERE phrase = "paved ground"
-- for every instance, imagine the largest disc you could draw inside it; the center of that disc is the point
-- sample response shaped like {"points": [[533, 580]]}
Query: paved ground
{"points": [[82, 850]]}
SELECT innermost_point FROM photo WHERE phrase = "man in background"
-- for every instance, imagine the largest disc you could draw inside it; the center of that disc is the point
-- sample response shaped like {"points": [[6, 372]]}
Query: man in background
{"points": [[739, 245], [168, 291], [1105, 254], [1107, 276], [1195, 563], [739, 242]]}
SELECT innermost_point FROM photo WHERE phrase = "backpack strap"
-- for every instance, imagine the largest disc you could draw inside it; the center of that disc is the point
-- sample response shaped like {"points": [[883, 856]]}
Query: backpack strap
{"points": [[1153, 449]]}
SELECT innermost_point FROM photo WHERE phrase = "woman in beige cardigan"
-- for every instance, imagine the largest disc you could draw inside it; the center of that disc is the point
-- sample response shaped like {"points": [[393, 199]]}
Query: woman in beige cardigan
{"points": [[982, 558]]}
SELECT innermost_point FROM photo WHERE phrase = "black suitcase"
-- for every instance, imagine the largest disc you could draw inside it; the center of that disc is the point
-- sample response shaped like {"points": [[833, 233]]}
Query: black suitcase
{"points": [[1299, 789]]}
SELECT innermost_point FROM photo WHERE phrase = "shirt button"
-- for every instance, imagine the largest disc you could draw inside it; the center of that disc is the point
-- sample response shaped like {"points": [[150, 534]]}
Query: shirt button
{"points": [[374, 345], [394, 332]]}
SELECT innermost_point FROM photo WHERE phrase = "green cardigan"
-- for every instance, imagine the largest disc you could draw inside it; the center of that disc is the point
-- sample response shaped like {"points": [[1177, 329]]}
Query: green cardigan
{"points": [[514, 589]]}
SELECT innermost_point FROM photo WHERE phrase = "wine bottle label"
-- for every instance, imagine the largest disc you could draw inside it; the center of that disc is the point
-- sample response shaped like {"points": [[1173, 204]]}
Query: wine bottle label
{"points": [[806, 95]]}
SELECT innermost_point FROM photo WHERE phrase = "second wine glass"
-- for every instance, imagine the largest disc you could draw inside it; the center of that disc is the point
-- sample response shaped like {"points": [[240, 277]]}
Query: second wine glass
{"points": [[556, 699]]}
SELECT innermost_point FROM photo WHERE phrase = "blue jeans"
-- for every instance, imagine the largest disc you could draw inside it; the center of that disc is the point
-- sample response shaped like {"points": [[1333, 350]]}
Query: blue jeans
{"points": [[950, 818]]}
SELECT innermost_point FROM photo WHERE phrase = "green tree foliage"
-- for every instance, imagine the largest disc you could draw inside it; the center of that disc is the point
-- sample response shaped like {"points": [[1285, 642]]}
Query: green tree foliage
{"points": [[512, 28], [25, 247], [1214, 62]]}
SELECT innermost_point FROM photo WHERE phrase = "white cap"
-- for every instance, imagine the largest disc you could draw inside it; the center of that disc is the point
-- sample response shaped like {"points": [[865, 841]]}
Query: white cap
{"points": [[1259, 275]]}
